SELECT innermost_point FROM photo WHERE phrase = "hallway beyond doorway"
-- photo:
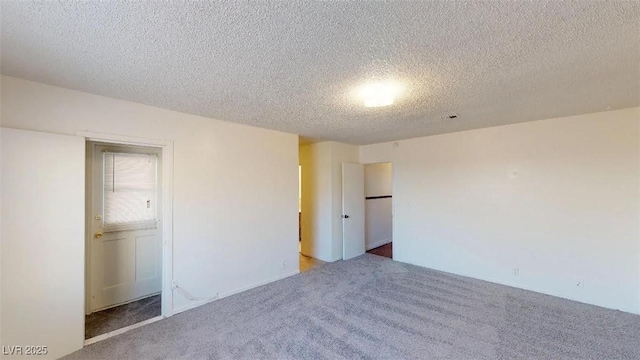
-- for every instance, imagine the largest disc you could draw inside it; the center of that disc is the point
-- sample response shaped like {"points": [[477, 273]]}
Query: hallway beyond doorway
{"points": [[104, 321], [307, 263], [385, 250]]}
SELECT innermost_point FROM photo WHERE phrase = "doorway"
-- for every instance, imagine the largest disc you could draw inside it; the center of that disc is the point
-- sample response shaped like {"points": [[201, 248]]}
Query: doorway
{"points": [[378, 181], [306, 199], [124, 237]]}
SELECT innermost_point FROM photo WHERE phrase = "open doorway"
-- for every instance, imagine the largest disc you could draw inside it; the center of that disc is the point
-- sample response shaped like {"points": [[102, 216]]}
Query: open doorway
{"points": [[124, 237], [306, 262], [378, 181]]}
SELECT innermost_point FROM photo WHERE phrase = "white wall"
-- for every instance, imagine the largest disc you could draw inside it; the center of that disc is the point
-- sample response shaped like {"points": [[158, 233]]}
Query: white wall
{"points": [[235, 186], [378, 212], [322, 197], [42, 241], [558, 199]]}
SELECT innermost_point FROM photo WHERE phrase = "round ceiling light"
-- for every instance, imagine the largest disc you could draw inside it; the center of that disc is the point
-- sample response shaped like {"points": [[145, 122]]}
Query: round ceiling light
{"points": [[379, 93]]}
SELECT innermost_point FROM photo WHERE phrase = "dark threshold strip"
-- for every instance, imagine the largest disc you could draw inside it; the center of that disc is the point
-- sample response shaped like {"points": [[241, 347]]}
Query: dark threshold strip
{"points": [[377, 197]]}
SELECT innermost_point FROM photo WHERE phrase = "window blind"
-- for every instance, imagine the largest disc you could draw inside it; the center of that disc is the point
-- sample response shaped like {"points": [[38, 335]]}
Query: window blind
{"points": [[129, 191]]}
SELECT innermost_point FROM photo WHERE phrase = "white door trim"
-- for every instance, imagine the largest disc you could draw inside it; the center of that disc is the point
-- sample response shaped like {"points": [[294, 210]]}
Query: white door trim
{"points": [[123, 330], [167, 200]]}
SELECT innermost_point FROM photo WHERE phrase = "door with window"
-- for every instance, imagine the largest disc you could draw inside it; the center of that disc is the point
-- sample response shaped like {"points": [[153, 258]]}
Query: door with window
{"points": [[126, 244]]}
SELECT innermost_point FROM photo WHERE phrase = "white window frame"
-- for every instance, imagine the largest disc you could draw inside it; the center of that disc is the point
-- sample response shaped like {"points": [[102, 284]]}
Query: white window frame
{"points": [[158, 206]]}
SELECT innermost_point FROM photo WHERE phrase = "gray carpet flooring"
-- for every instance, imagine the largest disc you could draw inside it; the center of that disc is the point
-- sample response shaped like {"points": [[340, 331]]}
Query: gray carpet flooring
{"points": [[372, 307], [104, 321]]}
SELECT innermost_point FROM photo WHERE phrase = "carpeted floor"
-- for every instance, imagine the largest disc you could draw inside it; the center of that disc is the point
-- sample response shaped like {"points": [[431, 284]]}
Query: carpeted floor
{"points": [[104, 321], [307, 263], [385, 250], [372, 307]]}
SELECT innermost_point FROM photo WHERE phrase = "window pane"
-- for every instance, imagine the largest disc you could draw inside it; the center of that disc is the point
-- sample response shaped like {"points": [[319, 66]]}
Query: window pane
{"points": [[130, 191]]}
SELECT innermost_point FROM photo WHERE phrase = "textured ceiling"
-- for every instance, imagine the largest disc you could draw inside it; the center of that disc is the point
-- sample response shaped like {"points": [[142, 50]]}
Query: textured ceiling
{"points": [[292, 66]]}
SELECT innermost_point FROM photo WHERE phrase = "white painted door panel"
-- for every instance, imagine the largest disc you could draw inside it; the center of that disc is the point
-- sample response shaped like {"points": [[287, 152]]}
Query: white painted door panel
{"points": [[125, 265], [42, 265], [353, 242]]}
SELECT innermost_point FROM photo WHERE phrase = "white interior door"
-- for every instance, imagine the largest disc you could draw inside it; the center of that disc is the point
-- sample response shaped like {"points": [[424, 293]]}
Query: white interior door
{"points": [[352, 210], [126, 244]]}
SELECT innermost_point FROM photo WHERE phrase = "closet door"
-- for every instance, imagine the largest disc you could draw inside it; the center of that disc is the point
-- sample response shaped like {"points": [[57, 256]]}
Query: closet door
{"points": [[43, 258]]}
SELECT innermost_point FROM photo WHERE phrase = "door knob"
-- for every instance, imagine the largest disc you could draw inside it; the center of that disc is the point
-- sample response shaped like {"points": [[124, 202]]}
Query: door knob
{"points": [[345, 216], [99, 234]]}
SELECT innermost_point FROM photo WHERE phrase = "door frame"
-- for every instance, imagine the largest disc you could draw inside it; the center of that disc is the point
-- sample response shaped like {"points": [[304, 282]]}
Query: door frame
{"points": [[393, 199], [166, 148], [392, 192]]}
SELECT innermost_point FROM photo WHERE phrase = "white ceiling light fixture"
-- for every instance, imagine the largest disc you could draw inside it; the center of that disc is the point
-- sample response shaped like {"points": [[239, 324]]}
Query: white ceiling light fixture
{"points": [[380, 93]]}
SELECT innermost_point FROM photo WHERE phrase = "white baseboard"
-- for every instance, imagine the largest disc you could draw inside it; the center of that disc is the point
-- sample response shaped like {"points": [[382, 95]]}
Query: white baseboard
{"points": [[125, 302], [196, 304], [321, 258], [192, 305], [379, 243], [280, 277]]}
